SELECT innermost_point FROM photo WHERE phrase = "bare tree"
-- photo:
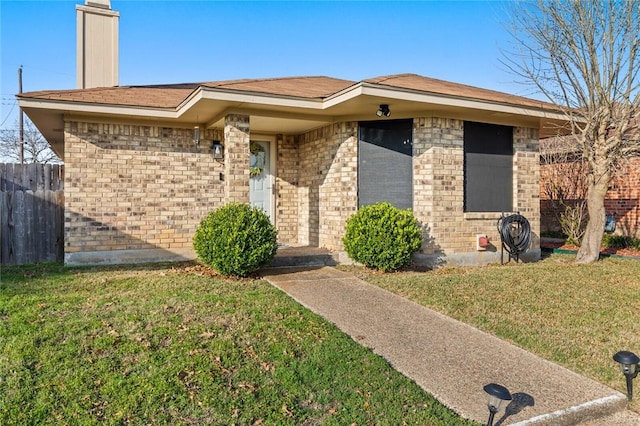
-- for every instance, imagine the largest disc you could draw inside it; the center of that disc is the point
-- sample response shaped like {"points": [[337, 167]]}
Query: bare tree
{"points": [[563, 187], [36, 148], [584, 56]]}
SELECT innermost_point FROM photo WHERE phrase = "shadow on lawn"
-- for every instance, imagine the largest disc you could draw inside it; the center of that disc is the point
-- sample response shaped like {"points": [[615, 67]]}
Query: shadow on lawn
{"points": [[16, 276]]}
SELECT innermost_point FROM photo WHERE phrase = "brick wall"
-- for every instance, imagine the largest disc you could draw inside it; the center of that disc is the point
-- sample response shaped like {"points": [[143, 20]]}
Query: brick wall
{"points": [[526, 172], [327, 193], [236, 164], [133, 187], [438, 167], [438, 178], [287, 189], [136, 187], [623, 199]]}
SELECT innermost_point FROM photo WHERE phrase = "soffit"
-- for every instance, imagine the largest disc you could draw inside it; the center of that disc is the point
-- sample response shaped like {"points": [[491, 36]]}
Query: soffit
{"points": [[287, 105]]}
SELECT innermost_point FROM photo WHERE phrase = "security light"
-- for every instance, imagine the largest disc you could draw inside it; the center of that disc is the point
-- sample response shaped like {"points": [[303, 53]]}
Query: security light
{"points": [[383, 110]]}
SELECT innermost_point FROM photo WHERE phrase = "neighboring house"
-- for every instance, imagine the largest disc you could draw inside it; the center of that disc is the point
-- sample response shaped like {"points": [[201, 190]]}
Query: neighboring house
{"points": [[144, 164], [622, 200], [137, 183], [563, 183]]}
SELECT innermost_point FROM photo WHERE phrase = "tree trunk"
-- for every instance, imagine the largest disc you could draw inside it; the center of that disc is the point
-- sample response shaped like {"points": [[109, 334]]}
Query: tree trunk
{"points": [[590, 248]]}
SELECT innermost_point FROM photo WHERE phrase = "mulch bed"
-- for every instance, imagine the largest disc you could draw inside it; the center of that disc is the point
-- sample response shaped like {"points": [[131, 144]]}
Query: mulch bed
{"points": [[604, 250]]}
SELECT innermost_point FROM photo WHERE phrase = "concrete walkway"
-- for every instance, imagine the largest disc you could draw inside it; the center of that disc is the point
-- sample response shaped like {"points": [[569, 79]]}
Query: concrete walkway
{"points": [[452, 360]]}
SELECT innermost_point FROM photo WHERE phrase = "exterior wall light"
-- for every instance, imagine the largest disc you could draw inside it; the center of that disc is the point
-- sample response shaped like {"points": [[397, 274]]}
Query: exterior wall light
{"points": [[383, 110], [196, 135], [629, 365], [497, 394], [217, 150]]}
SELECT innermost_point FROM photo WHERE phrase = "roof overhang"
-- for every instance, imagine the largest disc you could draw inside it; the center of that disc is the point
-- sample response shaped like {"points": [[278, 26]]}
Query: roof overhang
{"points": [[273, 113]]}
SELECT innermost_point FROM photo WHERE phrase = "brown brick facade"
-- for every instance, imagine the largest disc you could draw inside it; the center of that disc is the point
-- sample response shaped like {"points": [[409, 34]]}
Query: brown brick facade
{"points": [[146, 187], [136, 187], [236, 164], [287, 208], [327, 191], [438, 167]]}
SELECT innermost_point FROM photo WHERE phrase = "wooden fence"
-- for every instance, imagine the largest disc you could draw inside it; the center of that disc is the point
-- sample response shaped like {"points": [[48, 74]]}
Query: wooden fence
{"points": [[31, 213]]}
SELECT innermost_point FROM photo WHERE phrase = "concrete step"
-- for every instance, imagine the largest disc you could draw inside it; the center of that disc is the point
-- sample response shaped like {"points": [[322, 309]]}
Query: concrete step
{"points": [[303, 256]]}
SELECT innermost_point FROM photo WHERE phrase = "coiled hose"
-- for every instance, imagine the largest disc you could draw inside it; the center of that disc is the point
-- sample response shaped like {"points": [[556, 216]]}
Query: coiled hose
{"points": [[515, 233]]}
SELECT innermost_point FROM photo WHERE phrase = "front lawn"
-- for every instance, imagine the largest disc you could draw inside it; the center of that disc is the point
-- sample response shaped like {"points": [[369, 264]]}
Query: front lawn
{"points": [[575, 315], [176, 345]]}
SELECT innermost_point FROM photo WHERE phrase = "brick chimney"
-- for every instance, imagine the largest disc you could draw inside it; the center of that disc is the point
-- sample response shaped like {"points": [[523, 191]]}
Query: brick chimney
{"points": [[97, 44]]}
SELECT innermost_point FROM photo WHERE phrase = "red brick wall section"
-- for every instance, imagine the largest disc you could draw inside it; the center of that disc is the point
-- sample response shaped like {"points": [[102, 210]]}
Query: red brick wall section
{"points": [[623, 199]]}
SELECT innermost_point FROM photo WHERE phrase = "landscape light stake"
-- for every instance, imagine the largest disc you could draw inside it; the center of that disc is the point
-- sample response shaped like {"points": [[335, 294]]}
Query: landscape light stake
{"points": [[497, 394], [629, 366]]}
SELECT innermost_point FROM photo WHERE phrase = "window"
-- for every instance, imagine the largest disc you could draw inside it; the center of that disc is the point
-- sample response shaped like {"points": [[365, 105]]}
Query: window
{"points": [[488, 167], [385, 162]]}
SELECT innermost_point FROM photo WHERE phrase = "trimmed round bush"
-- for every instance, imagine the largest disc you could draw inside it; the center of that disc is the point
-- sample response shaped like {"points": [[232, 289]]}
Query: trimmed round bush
{"points": [[236, 239], [382, 236]]}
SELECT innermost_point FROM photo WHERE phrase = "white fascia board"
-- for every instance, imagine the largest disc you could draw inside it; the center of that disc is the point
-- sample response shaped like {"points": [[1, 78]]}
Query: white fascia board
{"points": [[97, 108], [343, 95], [252, 98], [459, 102]]}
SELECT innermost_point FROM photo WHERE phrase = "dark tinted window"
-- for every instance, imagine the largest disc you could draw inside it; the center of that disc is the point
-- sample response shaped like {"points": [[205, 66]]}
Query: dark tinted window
{"points": [[488, 167], [385, 162]]}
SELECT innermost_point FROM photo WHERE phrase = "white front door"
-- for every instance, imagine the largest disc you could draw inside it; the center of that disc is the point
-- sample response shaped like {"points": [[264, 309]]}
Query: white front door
{"points": [[261, 181]]}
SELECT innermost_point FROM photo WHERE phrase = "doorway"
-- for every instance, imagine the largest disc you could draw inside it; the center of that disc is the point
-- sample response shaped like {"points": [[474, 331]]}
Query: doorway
{"points": [[261, 182]]}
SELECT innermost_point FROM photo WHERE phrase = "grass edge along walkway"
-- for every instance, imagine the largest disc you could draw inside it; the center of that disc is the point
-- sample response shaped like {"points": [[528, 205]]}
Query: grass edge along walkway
{"points": [[577, 316], [176, 344]]}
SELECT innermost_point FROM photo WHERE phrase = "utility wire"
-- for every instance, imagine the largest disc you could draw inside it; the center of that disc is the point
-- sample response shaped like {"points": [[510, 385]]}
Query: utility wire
{"points": [[8, 115]]}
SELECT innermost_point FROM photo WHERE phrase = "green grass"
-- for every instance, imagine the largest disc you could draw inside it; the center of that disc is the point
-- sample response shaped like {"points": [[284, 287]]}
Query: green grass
{"points": [[177, 345], [575, 315]]}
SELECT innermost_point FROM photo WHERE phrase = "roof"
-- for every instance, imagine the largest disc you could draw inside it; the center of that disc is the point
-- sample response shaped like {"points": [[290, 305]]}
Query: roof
{"points": [[161, 96], [432, 85], [172, 95], [302, 87], [290, 105], [319, 87]]}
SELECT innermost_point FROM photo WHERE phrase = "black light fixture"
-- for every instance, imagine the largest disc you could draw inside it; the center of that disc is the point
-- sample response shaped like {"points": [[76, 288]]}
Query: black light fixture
{"points": [[383, 111], [196, 135], [629, 365], [497, 393], [218, 150]]}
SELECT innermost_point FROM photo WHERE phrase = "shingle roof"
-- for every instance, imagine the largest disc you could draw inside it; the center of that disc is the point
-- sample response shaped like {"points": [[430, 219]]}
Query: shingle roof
{"points": [[442, 87], [302, 87], [164, 96], [171, 95]]}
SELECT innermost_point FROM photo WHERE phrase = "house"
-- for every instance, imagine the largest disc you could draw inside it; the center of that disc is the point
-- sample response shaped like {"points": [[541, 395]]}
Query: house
{"points": [[563, 183], [144, 164]]}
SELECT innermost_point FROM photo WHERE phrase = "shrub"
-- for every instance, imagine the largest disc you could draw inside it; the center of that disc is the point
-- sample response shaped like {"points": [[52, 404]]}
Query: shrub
{"points": [[236, 239], [620, 241], [573, 222], [382, 236]]}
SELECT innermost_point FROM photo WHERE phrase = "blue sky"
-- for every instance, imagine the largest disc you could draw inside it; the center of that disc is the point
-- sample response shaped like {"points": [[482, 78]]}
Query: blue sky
{"points": [[191, 41]]}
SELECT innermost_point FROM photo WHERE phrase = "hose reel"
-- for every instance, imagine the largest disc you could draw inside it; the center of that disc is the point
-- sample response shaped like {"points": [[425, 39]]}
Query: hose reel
{"points": [[515, 234]]}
